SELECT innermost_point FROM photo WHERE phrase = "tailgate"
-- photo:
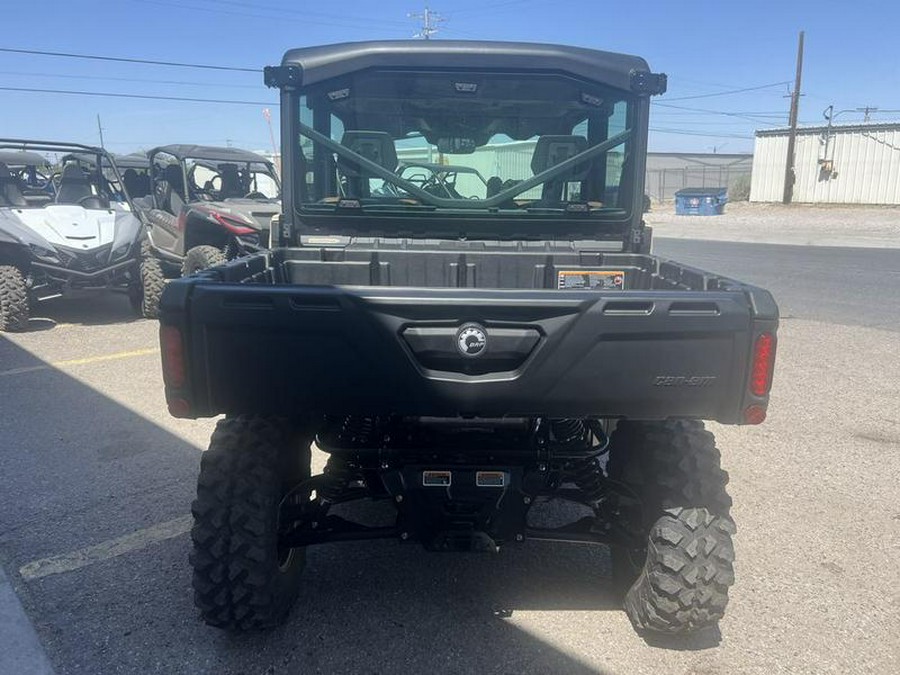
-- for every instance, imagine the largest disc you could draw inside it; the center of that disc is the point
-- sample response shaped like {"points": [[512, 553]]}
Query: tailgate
{"points": [[446, 352]]}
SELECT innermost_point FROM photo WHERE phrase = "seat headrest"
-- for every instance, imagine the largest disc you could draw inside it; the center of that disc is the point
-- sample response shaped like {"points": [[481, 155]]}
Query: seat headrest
{"points": [[553, 150], [73, 173], [173, 175], [231, 181], [376, 146]]}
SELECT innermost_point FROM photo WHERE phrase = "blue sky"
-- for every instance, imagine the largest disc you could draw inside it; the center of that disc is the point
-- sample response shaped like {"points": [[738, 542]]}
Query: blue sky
{"points": [[852, 59]]}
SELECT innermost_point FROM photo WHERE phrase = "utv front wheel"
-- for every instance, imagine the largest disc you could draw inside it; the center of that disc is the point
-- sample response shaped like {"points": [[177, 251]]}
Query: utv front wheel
{"points": [[153, 281], [677, 579], [201, 258], [243, 578], [13, 299]]}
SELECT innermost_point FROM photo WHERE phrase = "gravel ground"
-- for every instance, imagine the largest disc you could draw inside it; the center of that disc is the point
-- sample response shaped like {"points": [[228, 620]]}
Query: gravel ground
{"points": [[824, 225]]}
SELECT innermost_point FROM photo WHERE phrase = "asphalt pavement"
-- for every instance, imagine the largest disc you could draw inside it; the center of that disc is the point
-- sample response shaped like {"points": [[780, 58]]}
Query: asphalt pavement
{"points": [[96, 481], [847, 286]]}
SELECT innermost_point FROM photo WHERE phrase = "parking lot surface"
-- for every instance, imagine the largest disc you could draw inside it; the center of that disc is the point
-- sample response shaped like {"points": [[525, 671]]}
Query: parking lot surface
{"points": [[96, 482]]}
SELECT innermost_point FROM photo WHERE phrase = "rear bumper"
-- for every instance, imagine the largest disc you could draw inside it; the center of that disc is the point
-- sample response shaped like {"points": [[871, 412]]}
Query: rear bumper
{"points": [[359, 350]]}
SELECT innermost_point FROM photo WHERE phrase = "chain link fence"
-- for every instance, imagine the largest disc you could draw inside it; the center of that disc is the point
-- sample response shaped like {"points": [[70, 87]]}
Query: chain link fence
{"points": [[662, 184]]}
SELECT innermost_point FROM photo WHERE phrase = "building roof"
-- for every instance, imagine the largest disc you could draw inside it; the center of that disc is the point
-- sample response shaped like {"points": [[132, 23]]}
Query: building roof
{"points": [[329, 61], [209, 153], [835, 128]]}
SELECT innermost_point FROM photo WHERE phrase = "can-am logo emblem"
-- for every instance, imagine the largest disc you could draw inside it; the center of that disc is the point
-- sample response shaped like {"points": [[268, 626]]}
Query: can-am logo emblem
{"points": [[471, 340]]}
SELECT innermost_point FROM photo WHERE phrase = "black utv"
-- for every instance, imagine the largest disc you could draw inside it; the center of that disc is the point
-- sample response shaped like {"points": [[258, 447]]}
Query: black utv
{"points": [[467, 356], [206, 205], [72, 230]]}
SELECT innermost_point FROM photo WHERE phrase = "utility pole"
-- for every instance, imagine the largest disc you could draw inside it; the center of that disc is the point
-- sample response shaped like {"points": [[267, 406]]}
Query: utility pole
{"points": [[429, 21], [867, 111], [276, 159], [789, 173], [100, 129]]}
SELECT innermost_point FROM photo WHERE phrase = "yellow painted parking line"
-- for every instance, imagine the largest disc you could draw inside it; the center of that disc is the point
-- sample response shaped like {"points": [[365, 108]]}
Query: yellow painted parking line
{"points": [[140, 539], [82, 362], [106, 357]]}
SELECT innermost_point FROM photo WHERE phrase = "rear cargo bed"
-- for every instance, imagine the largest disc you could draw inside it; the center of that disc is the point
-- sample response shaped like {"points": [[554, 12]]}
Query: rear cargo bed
{"points": [[375, 331]]}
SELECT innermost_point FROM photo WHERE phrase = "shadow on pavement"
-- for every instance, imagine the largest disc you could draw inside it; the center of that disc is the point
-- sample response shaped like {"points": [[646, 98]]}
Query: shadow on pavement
{"points": [[77, 468], [87, 308]]}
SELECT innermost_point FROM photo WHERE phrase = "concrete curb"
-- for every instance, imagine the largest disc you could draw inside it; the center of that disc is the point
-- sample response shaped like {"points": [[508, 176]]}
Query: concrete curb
{"points": [[21, 651]]}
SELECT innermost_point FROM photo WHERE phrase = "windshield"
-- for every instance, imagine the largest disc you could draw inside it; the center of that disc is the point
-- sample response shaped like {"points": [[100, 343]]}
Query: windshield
{"points": [[222, 180], [74, 181], [215, 179], [461, 144]]}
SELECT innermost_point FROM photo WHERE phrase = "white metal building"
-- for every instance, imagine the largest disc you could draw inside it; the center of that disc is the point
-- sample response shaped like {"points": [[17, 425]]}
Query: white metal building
{"points": [[843, 164], [667, 172]]}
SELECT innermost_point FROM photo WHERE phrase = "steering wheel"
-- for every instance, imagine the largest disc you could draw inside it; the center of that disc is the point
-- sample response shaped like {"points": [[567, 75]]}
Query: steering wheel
{"points": [[81, 201], [255, 195]]}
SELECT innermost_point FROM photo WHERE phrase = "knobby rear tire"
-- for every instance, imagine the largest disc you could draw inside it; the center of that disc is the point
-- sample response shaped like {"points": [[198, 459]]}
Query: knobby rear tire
{"points": [[677, 582], [153, 281], [242, 578], [13, 299], [200, 258]]}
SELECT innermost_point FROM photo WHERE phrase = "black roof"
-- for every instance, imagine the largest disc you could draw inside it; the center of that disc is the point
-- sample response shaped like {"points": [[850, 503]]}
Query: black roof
{"points": [[22, 158], [132, 161], [328, 61], [210, 153]]}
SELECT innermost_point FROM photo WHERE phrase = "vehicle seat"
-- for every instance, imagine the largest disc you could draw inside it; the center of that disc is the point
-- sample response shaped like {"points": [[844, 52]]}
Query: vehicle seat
{"points": [[174, 199], [552, 150], [376, 146], [74, 186], [10, 192], [135, 184], [231, 182], [494, 186]]}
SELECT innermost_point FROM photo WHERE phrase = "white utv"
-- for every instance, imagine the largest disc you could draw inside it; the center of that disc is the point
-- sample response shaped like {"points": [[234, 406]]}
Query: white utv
{"points": [[76, 230]]}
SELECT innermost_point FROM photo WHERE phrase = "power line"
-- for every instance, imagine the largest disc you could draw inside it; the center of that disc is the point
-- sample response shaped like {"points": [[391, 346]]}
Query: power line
{"points": [[729, 92], [187, 99], [484, 9], [685, 132], [131, 79], [359, 24], [118, 59], [715, 112], [305, 13]]}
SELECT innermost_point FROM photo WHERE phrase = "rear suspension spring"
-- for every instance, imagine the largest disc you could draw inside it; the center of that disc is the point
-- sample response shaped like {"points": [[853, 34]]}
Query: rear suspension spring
{"points": [[567, 431], [337, 475], [357, 431]]}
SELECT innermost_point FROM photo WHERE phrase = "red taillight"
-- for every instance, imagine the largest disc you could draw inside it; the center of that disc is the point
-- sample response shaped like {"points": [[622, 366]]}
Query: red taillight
{"points": [[755, 414], [763, 364], [173, 361], [180, 221], [178, 407], [230, 224]]}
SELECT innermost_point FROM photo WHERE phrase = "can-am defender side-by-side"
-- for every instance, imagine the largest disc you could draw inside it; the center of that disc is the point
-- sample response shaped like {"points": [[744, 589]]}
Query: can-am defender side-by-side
{"points": [[206, 205], [76, 232], [472, 358]]}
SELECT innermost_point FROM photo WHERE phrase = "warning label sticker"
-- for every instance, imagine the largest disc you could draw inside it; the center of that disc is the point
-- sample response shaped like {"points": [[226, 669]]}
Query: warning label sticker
{"points": [[601, 280]]}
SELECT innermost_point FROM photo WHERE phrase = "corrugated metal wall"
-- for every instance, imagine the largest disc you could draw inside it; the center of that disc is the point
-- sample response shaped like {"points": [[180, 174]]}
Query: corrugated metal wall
{"points": [[864, 169]]}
